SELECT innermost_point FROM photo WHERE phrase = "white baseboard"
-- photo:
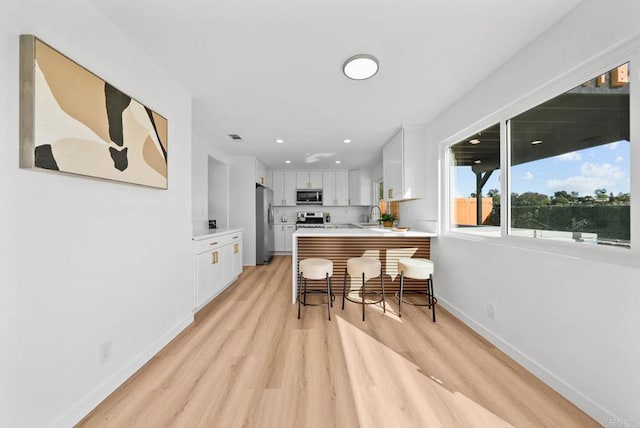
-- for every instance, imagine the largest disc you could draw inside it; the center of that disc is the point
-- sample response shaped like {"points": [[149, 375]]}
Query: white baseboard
{"points": [[79, 410], [583, 402]]}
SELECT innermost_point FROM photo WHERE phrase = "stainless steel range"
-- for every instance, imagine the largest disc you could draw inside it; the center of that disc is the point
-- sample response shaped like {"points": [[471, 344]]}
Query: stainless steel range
{"points": [[310, 219]]}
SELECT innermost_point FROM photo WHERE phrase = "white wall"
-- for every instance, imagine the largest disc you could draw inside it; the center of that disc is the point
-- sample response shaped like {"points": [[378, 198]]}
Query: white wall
{"points": [[572, 320], [85, 261], [218, 185], [242, 209], [201, 151]]}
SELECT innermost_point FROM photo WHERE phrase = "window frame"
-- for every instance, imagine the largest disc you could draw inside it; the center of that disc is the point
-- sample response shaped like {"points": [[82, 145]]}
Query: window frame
{"points": [[562, 83]]}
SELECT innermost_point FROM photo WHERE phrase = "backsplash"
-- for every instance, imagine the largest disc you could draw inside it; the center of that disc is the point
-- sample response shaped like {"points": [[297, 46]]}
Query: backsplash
{"points": [[339, 215]]}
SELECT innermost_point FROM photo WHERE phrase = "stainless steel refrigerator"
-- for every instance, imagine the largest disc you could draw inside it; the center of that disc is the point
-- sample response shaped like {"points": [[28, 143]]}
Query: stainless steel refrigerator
{"points": [[264, 225]]}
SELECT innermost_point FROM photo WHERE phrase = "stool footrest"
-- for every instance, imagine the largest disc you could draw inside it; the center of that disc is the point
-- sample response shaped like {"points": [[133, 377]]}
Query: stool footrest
{"points": [[360, 300], [416, 292], [322, 292]]}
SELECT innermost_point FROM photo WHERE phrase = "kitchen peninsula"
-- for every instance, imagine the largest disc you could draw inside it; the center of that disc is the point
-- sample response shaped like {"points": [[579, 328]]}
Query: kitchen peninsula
{"points": [[338, 245]]}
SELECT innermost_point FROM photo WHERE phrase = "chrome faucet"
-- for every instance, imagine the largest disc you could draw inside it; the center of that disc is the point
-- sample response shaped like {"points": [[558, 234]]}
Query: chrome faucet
{"points": [[371, 217]]}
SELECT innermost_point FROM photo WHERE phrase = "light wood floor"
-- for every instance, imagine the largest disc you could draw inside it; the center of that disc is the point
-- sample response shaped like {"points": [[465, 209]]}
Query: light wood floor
{"points": [[248, 361]]}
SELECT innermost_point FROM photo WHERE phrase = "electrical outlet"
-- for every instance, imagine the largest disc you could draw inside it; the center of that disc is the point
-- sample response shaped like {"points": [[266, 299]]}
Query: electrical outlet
{"points": [[104, 352], [491, 310]]}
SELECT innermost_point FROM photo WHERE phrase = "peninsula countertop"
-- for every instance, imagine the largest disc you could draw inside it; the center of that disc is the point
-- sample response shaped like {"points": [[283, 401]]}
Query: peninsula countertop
{"points": [[378, 232]]}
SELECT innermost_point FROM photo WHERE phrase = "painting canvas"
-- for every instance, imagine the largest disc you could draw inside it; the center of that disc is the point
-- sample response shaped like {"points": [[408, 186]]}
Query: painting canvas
{"points": [[73, 121]]}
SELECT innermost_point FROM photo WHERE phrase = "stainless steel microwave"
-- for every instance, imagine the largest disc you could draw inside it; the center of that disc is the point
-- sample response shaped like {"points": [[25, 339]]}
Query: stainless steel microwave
{"points": [[309, 196]]}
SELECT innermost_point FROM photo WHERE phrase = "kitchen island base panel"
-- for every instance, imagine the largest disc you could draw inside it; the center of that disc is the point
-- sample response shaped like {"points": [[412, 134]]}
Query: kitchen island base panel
{"points": [[388, 250]]}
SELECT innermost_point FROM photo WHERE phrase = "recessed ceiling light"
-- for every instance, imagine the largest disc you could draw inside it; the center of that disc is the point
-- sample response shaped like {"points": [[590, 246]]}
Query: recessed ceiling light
{"points": [[477, 161], [536, 142], [287, 161], [347, 141], [279, 141], [474, 141], [338, 161], [360, 67]]}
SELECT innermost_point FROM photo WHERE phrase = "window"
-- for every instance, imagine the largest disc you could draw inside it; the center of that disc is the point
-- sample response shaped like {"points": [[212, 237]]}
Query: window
{"points": [[570, 165], [474, 183]]}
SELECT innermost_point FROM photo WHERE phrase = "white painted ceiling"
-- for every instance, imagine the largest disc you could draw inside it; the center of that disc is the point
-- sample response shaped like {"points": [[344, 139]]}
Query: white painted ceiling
{"points": [[269, 69]]}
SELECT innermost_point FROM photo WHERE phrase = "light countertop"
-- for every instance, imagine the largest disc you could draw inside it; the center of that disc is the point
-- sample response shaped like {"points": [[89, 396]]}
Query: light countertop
{"points": [[205, 233], [378, 232]]}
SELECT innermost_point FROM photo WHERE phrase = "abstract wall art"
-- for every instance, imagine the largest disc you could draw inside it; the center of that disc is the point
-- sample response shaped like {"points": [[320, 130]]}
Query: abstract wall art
{"points": [[72, 121]]}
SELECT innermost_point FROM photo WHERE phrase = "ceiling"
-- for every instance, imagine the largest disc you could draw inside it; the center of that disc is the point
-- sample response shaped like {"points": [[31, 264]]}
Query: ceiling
{"points": [[272, 69]]}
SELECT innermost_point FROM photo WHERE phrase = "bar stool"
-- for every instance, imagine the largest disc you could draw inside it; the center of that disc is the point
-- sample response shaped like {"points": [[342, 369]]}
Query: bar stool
{"points": [[367, 268], [417, 269], [314, 268]]}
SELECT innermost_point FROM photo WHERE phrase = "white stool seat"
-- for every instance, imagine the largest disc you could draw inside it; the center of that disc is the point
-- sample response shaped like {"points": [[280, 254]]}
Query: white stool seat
{"points": [[358, 265], [315, 268], [415, 268]]}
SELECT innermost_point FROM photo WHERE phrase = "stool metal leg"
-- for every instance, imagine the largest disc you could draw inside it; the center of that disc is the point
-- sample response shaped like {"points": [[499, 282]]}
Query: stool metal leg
{"points": [[432, 298], [305, 291], [364, 293], [329, 296], [344, 287], [332, 296], [299, 292], [384, 304], [400, 294]]}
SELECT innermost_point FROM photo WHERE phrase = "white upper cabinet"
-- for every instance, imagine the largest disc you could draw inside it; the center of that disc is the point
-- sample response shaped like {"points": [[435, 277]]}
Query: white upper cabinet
{"points": [[309, 179], [403, 159], [342, 188], [261, 173], [360, 187], [284, 188], [335, 188]]}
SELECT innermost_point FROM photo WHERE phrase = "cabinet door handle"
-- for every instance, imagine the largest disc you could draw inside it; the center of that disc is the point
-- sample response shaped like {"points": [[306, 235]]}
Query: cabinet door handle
{"points": [[235, 237], [213, 243], [235, 248], [390, 193], [214, 257]]}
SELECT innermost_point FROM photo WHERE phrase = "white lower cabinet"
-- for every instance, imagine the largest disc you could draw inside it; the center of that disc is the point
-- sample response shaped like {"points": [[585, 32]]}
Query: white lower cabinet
{"points": [[218, 263], [237, 258], [288, 237], [283, 237]]}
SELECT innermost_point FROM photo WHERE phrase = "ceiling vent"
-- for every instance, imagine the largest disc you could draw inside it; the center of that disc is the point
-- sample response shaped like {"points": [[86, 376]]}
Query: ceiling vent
{"points": [[235, 137]]}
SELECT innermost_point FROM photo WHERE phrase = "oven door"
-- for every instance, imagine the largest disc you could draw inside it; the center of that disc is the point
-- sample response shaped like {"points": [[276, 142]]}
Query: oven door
{"points": [[309, 197]]}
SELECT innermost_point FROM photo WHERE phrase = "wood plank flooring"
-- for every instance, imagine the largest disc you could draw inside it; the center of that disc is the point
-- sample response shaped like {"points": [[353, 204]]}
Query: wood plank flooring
{"points": [[247, 361]]}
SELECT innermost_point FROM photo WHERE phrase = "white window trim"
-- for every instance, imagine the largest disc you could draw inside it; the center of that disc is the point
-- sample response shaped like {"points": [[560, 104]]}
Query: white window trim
{"points": [[629, 52]]}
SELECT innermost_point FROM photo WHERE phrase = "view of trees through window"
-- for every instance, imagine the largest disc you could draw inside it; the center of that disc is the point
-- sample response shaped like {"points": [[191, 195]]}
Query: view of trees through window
{"points": [[570, 164], [569, 169]]}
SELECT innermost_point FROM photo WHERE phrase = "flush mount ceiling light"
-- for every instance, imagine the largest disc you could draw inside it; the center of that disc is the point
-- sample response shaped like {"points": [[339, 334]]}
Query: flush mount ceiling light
{"points": [[338, 161], [360, 67], [347, 141], [474, 141], [279, 141], [287, 161], [536, 142]]}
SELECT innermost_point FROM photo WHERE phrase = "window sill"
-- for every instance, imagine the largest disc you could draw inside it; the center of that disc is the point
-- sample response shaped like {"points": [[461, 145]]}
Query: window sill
{"points": [[621, 256]]}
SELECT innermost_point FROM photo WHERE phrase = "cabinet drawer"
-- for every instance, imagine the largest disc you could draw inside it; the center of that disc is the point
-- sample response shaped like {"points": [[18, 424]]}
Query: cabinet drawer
{"points": [[217, 241]]}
